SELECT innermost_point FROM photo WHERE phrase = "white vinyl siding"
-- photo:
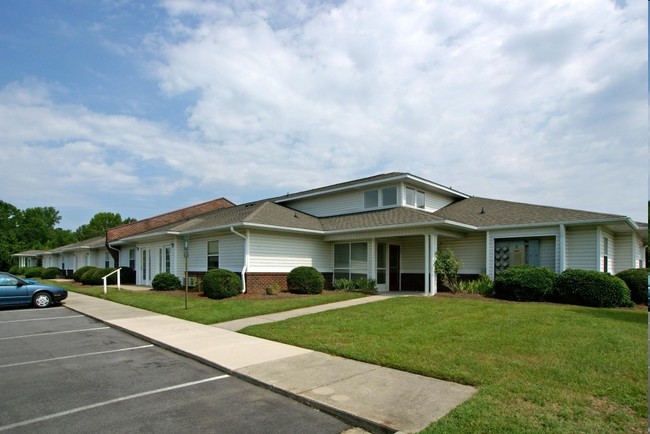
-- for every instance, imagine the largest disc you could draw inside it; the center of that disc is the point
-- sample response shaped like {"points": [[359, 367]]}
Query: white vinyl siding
{"points": [[547, 250], [412, 254], [625, 253], [282, 253], [348, 202], [581, 248], [469, 250], [231, 253]]}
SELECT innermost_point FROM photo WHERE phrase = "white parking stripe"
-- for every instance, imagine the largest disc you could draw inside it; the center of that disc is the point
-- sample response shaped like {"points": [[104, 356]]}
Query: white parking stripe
{"points": [[112, 401], [53, 333], [76, 355], [42, 319]]}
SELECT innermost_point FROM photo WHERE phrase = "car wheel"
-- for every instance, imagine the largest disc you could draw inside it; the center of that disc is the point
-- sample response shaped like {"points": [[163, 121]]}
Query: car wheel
{"points": [[42, 299]]}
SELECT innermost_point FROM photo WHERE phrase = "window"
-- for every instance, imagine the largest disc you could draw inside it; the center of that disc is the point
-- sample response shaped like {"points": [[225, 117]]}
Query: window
{"points": [[106, 260], [371, 199], [213, 254], [389, 196], [168, 259], [386, 196], [381, 263], [132, 259], [606, 255], [144, 265], [350, 261], [414, 197]]}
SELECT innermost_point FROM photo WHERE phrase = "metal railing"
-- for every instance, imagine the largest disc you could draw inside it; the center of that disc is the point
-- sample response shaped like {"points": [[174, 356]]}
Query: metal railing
{"points": [[118, 279]]}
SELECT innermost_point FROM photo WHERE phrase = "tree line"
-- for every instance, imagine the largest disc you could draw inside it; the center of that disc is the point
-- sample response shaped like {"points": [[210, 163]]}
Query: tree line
{"points": [[35, 229]]}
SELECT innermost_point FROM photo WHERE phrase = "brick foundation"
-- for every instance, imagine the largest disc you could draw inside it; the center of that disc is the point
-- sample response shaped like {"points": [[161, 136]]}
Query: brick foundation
{"points": [[256, 283]]}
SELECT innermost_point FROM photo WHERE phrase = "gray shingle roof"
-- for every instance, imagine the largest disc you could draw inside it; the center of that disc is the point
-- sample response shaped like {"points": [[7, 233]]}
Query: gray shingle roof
{"points": [[381, 218], [482, 212], [261, 213]]}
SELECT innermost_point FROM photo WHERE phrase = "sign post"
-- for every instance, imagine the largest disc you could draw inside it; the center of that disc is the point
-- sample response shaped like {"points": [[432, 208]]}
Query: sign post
{"points": [[186, 246]]}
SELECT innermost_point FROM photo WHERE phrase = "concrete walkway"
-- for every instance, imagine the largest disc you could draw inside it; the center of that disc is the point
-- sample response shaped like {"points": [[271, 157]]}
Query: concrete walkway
{"points": [[372, 397]]}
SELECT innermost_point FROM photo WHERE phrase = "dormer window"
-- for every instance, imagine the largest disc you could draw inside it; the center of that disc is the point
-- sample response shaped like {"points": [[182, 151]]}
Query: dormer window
{"points": [[414, 197], [382, 197]]}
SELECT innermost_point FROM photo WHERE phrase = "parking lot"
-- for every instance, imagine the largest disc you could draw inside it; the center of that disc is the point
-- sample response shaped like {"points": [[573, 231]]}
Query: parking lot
{"points": [[64, 372]]}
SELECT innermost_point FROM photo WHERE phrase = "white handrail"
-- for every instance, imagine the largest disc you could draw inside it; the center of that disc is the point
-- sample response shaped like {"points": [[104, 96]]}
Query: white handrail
{"points": [[118, 279]]}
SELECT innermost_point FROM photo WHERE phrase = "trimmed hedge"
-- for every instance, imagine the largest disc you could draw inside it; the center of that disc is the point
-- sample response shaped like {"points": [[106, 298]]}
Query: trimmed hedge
{"points": [[592, 288], [81, 271], [165, 282], [637, 280], [219, 283], [305, 280], [16, 270], [524, 283], [33, 272], [94, 276], [127, 275], [50, 273]]}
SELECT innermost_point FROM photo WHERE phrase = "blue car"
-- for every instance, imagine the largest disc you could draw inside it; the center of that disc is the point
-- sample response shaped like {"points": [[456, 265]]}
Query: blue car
{"points": [[17, 291]]}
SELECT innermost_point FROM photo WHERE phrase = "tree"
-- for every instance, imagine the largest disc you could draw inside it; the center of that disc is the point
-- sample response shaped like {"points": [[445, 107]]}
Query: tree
{"points": [[35, 227], [8, 222], [99, 223]]}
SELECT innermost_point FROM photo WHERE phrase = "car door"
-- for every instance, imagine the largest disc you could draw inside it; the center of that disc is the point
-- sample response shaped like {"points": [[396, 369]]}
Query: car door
{"points": [[12, 291]]}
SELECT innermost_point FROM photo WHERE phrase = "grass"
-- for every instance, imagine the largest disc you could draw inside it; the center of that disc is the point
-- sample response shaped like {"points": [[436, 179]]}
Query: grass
{"points": [[205, 310], [538, 367]]}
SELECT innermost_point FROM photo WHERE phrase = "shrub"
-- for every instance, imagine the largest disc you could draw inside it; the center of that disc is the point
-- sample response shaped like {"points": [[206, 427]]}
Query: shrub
{"points": [[592, 288], [127, 275], [50, 273], [305, 280], [80, 272], [33, 272], [273, 289], [366, 285], [94, 276], [218, 284], [636, 280], [15, 270], [483, 285], [447, 267], [524, 283], [343, 284], [165, 282]]}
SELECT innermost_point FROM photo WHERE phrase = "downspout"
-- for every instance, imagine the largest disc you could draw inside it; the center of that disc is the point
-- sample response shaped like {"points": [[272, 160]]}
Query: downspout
{"points": [[246, 255], [116, 257]]}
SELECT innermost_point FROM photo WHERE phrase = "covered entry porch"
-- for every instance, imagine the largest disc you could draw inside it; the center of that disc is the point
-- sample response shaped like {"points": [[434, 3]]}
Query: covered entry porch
{"points": [[397, 262]]}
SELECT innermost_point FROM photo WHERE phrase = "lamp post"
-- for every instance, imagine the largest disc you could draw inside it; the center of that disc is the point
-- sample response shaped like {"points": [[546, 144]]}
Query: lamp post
{"points": [[186, 247]]}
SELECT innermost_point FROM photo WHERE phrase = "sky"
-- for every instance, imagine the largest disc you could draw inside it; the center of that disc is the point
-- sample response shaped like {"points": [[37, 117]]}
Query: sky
{"points": [[143, 107]]}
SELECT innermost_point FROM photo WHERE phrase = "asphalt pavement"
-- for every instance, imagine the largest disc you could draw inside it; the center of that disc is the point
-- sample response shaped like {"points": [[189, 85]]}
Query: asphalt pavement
{"points": [[371, 397], [61, 371]]}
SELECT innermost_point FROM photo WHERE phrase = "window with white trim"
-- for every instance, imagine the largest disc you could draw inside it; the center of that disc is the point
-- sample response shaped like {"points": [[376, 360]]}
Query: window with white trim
{"points": [[213, 255], [379, 198], [414, 197], [350, 261]]}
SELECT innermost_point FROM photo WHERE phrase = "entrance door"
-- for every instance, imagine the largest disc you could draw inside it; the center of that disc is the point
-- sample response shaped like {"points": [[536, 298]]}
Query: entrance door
{"points": [[145, 267], [393, 267]]}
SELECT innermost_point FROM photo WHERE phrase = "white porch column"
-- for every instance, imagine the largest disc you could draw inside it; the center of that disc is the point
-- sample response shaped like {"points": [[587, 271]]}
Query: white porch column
{"points": [[427, 261], [562, 242], [431, 245]]}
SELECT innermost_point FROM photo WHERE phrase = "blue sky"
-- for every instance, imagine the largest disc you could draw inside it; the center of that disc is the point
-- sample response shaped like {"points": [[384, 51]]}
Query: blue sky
{"points": [[142, 107]]}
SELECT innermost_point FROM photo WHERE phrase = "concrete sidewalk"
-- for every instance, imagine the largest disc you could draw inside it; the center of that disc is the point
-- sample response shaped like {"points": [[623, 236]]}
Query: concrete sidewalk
{"points": [[372, 397]]}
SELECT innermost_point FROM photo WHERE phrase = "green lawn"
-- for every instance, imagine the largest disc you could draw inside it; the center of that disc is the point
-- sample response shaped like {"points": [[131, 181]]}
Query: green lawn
{"points": [[205, 310], [538, 367]]}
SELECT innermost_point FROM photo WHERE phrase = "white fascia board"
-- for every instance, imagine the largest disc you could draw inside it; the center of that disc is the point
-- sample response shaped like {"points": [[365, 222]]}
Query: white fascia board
{"points": [[557, 223], [403, 226], [436, 186], [359, 185], [253, 226]]}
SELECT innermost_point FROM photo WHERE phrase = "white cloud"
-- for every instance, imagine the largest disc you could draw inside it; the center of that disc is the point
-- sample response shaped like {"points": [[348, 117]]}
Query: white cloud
{"points": [[535, 101]]}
